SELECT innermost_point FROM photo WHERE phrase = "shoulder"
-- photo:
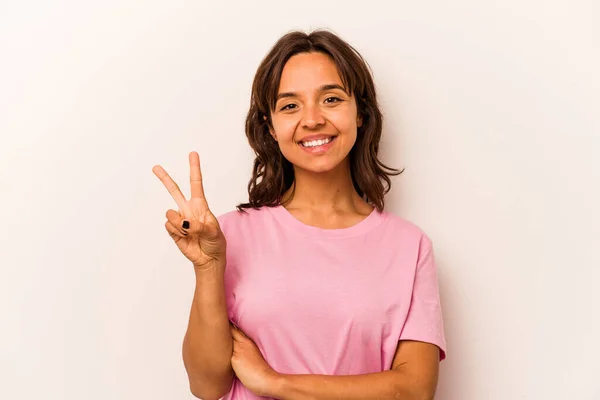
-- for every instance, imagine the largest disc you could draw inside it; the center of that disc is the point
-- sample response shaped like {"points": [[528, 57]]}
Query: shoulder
{"points": [[236, 216], [240, 221], [246, 232], [412, 241], [406, 235], [402, 228]]}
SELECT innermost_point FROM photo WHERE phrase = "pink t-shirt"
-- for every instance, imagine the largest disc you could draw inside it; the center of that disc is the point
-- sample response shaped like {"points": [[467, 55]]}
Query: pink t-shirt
{"points": [[329, 301]]}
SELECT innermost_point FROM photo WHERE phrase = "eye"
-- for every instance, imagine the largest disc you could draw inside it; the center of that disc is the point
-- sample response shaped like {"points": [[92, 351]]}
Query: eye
{"points": [[288, 107], [331, 100]]}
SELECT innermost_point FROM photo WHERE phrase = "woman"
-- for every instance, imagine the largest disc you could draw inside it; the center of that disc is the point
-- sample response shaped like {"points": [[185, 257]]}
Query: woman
{"points": [[310, 290]]}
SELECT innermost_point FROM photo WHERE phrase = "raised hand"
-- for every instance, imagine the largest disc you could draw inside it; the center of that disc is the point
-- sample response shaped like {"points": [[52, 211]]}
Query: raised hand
{"points": [[194, 228]]}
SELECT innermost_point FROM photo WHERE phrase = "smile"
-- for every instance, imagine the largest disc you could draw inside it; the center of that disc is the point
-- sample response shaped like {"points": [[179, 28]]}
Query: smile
{"points": [[318, 146], [316, 143]]}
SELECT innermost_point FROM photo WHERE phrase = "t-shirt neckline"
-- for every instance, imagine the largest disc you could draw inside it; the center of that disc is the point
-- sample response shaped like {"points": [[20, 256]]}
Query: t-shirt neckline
{"points": [[286, 218]]}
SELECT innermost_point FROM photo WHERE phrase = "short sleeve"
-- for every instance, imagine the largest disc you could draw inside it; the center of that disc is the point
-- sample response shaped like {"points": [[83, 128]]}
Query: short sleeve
{"points": [[424, 322], [231, 276]]}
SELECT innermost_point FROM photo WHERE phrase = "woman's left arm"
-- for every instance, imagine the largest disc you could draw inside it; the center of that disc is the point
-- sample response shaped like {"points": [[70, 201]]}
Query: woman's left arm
{"points": [[413, 376]]}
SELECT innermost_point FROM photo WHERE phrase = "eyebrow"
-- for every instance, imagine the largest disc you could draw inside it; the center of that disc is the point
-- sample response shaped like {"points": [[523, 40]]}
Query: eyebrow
{"points": [[324, 88]]}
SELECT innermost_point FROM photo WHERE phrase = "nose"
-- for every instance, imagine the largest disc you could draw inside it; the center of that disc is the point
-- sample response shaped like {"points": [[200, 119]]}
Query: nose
{"points": [[312, 117]]}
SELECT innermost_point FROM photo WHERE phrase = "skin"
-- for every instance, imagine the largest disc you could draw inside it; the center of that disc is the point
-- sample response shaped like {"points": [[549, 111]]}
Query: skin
{"points": [[325, 197], [324, 194]]}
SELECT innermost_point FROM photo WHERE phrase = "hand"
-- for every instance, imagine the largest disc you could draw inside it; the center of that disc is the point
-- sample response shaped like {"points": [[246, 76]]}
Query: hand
{"points": [[202, 242], [250, 367]]}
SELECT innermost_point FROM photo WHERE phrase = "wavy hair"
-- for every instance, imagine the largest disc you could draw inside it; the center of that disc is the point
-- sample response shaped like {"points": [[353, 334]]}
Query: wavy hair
{"points": [[273, 174]]}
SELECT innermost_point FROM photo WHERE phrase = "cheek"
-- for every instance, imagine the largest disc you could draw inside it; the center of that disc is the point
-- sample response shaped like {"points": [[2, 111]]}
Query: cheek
{"points": [[283, 130], [346, 125]]}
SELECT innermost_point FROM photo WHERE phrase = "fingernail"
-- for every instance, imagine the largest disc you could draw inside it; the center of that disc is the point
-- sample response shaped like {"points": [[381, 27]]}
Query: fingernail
{"points": [[186, 224]]}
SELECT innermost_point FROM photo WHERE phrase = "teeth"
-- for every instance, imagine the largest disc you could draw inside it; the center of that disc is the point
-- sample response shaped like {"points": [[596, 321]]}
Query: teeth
{"points": [[314, 143]]}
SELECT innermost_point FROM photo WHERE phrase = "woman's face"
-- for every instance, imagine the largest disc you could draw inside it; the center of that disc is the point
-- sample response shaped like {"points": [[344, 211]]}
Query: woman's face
{"points": [[314, 120]]}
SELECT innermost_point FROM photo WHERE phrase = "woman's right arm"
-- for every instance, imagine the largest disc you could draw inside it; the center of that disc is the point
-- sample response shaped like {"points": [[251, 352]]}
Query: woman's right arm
{"points": [[207, 346]]}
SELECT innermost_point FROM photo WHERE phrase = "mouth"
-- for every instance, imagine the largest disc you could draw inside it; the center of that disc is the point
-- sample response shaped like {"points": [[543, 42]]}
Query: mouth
{"points": [[319, 146], [313, 144]]}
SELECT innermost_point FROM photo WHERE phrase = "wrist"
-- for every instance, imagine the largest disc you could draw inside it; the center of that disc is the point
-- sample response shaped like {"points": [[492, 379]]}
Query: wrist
{"points": [[279, 386], [212, 265], [209, 275]]}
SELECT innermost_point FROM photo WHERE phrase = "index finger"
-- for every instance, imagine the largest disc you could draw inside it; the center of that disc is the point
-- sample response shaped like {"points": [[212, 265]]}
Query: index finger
{"points": [[236, 334], [170, 185], [197, 190]]}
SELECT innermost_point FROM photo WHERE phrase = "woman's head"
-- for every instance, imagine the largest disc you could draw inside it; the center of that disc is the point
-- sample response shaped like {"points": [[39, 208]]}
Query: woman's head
{"points": [[314, 107]]}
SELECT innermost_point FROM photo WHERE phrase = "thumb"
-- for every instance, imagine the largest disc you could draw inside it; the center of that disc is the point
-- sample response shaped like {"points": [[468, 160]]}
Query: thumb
{"points": [[193, 227]]}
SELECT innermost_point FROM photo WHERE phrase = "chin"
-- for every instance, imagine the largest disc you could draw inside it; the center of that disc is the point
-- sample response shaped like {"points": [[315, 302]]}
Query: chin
{"points": [[319, 168]]}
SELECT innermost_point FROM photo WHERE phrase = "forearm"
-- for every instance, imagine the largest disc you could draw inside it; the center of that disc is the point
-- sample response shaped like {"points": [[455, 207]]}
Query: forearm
{"points": [[381, 385], [207, 346]]}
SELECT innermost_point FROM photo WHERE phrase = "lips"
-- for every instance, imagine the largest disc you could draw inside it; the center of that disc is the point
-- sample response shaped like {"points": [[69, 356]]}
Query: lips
{"points": [[320, 146], [316, 143], [315, 137]]}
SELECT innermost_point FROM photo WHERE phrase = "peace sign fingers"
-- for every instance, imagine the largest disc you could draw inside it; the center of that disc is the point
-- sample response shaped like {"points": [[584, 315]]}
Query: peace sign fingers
{"points": [[171, 186], [195, 230], [197, 189]]}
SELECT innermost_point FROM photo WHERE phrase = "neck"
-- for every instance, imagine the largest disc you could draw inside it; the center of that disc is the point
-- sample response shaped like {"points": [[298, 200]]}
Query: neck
{"points": [[324, 192]]}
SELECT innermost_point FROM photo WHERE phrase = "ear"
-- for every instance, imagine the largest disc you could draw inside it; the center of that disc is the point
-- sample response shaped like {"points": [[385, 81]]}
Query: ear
{"points": [[359, 121], [271, 131]]}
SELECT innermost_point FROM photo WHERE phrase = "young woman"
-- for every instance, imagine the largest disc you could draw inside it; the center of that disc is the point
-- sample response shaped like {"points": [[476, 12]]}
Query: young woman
{"points": [[310, 290]]}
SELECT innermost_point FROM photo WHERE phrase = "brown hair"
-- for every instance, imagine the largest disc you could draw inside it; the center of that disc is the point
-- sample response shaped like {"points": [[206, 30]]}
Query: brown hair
{"points": [[273, 174]]}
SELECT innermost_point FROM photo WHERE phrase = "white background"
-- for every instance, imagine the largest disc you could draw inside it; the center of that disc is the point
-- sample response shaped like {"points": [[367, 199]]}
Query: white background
{"points": [[491, 106]]}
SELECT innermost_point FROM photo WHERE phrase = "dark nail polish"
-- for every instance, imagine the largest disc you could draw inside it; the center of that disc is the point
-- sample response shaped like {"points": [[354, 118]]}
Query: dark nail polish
{"points": [[186, 224]]}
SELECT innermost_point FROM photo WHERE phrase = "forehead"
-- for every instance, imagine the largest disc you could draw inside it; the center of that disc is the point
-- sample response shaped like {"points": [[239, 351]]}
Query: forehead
{"points": [[307, 71]]}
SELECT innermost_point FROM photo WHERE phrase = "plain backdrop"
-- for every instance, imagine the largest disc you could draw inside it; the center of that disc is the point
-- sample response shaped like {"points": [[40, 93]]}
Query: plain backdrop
{"points": [[492, 107]]}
